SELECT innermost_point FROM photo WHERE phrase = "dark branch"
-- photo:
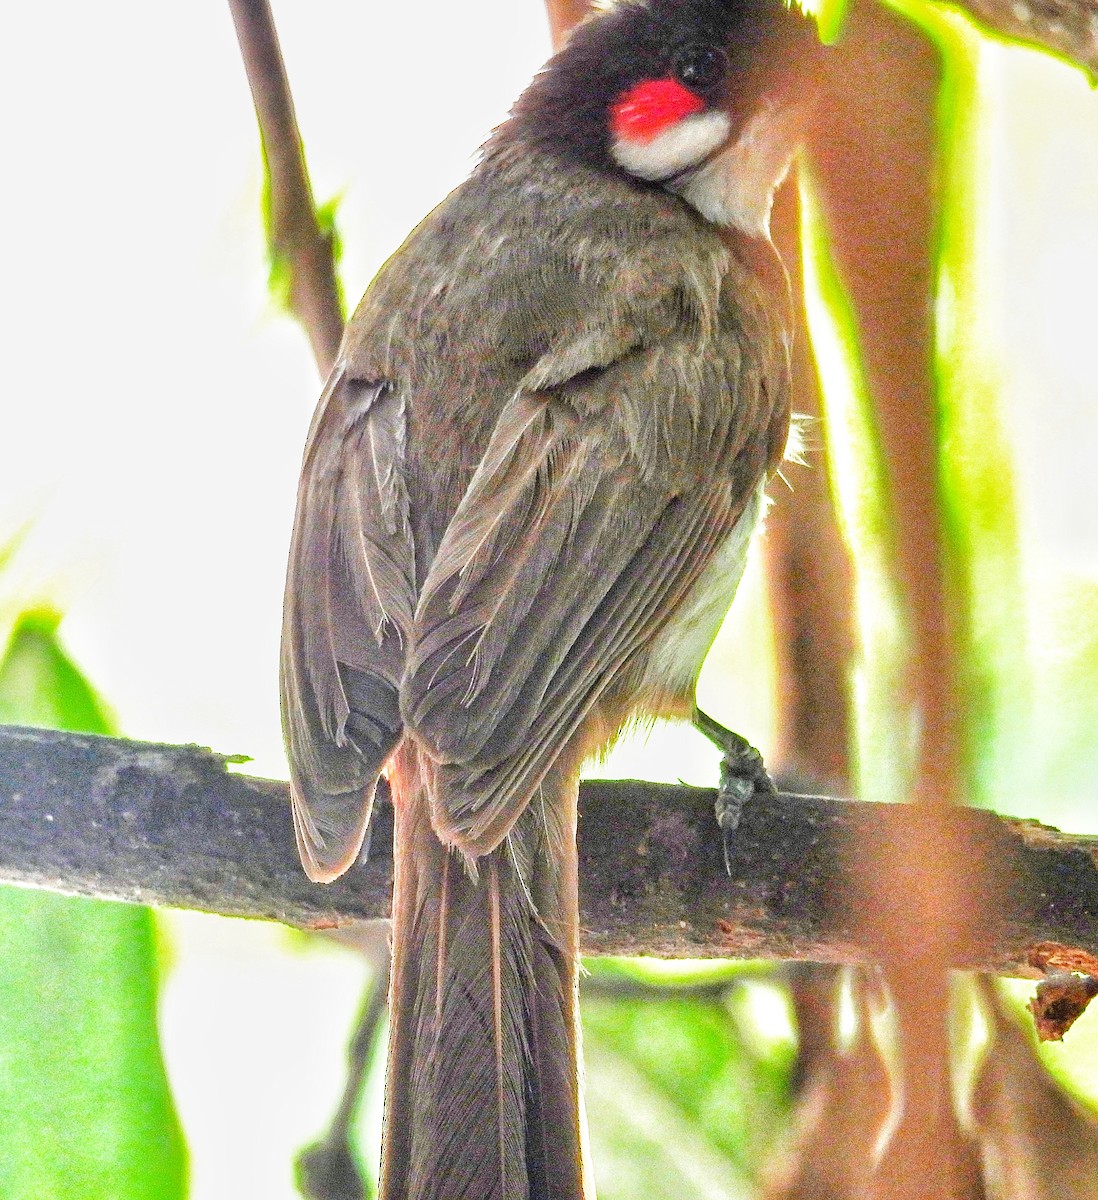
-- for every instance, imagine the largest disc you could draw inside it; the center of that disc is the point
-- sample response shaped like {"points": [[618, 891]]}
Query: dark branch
{"points": [[170, 825], [1068, 28], [296, 242]]}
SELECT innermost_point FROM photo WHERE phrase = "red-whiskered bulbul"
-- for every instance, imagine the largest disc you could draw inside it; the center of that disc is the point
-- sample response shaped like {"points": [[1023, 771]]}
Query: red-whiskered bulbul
{"points": [[525, 504]]}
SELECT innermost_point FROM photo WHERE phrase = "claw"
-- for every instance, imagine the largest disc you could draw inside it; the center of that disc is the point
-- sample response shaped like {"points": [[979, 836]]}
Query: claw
{"points": [[743, 775]]}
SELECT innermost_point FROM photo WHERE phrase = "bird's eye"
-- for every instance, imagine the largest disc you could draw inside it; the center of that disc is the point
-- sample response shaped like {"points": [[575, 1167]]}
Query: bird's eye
{"points": [[700, 67]]}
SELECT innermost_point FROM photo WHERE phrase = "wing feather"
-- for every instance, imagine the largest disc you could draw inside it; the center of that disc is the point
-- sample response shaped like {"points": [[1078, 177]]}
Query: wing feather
{"points": [[481, 793], [350, 598], [582, 529]]}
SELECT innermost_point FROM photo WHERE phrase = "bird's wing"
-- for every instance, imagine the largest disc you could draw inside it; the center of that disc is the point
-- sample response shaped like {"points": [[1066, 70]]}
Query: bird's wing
{"points": [[350, 599], [604, 493]]}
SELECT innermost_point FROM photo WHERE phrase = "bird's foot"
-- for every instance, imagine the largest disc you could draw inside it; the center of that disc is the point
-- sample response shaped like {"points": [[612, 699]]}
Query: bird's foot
{"points": [[743, 775]]}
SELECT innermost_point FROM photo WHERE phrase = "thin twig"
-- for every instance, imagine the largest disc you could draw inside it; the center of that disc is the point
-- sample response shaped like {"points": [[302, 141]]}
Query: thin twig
{"points": [[328, 1169], [296, 242]]}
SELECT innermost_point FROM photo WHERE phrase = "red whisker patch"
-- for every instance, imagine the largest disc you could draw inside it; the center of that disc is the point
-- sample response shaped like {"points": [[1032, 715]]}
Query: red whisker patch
{"points": [[649, 108]]}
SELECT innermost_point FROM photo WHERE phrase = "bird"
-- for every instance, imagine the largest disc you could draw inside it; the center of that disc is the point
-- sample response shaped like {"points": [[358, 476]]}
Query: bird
{"points": [[526, 500]]}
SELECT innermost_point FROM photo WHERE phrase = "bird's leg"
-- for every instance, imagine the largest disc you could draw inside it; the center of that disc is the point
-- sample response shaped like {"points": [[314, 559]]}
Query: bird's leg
{"points": [[743, 775]]}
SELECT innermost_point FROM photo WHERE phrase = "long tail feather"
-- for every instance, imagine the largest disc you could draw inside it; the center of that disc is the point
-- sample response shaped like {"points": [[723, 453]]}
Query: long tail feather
{"points": [[482, 1095]]}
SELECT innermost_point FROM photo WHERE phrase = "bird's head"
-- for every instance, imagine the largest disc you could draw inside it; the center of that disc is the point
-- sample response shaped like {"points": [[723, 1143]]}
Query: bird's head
{"points": [[706, 98]]}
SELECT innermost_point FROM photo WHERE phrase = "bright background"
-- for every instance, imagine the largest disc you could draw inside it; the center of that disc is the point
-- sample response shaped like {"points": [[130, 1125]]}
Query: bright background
{"points": [[154, 409]]}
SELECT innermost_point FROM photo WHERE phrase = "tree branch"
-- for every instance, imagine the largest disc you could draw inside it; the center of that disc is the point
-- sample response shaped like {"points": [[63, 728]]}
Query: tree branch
{"points": [[1067, 28], [172, 826], [296, 242]]}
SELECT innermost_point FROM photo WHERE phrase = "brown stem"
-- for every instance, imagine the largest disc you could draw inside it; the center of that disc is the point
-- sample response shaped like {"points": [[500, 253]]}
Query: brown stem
{"points": [[563, 15], [926, 897], [296, 242], [809, 574], [875, 165]]}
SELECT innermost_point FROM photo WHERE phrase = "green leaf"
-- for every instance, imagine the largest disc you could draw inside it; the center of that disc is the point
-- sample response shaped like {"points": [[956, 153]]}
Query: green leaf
{"points": [[84, 1103], [85, 1108], [40, 685], [683, 1102]]}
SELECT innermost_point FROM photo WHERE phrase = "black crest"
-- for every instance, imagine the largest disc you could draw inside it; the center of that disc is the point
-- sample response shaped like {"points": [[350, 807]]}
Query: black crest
{"points": [[565, 109]]}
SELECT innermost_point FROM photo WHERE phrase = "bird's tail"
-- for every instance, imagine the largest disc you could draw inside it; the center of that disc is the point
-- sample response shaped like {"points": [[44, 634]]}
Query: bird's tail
{"points": [[482, 1096]]}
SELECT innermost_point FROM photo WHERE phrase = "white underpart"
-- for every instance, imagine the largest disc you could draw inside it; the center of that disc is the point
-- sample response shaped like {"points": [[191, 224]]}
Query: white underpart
{"points": [[736, 187], [678, 148], [678, 653]]}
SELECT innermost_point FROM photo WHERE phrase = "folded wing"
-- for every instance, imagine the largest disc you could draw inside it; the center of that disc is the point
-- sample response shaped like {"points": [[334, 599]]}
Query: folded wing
{"points": [[350, 598], [599, 502]]}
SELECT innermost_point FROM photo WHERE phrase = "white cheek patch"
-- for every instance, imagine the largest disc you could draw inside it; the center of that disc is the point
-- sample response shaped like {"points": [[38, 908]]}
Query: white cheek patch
{"points": [[677, 148], [736, 187]]}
